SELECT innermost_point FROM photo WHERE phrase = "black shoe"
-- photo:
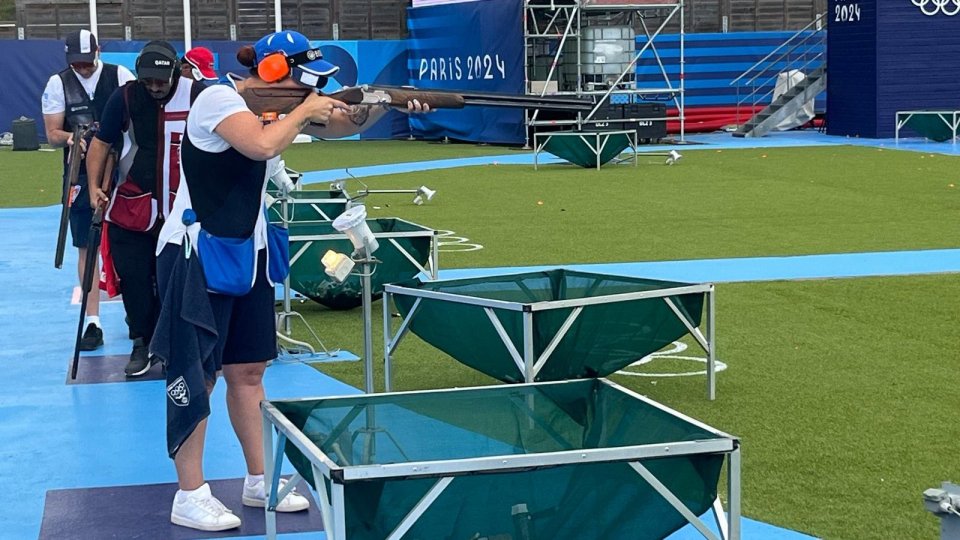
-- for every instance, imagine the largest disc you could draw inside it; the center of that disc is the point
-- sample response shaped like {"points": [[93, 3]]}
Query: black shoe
{"points": [[92, 338], [139, 359]]}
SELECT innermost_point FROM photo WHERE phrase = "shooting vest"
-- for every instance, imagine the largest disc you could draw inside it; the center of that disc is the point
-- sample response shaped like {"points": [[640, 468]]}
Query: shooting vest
{"points": [[225, 191], [80, 110], [149, 165]]}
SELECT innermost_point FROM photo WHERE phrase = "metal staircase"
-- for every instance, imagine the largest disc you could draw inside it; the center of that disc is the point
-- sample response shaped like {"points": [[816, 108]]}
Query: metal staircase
{"points": [[786, 105], [804, 51]]}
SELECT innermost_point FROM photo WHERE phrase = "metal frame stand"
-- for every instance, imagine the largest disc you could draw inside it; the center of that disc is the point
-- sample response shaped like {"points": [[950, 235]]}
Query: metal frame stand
{"points": [[421, 194], [548, 22], [953, 123], [672, 157], [599, 142], [330, 478], [367, 262], [525, 360], [285, 341]]}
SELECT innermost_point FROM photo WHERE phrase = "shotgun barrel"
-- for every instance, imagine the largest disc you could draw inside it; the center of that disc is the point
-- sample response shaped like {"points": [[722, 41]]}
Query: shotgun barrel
{"points": [[74, 159]]}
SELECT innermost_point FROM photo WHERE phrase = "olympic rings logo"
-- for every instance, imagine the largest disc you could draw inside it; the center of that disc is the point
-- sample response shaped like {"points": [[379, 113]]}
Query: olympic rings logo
{"points": [[932, 7]]}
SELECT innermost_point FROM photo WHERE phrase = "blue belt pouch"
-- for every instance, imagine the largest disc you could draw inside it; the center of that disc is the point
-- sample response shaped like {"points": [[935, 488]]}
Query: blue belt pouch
{"points": [[278, 245], [228, 263]]}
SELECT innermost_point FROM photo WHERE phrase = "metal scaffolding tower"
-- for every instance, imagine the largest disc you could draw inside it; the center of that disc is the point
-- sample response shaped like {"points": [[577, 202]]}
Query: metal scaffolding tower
{"points": [[555, 31]]}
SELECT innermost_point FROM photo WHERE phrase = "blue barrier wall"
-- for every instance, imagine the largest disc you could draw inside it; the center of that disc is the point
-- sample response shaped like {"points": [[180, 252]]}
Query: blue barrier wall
{"points": [[711, 61], [380, 62], [888, 56], [852, 79], [21, 95]]}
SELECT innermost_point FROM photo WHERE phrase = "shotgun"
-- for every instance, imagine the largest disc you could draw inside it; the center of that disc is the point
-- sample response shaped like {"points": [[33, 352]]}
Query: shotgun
{"points": [[283, 100], [74, 160], [93, 251]]}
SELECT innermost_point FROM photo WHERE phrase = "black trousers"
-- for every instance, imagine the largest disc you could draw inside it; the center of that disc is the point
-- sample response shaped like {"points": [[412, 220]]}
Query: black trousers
{"points": [[136, 264]]}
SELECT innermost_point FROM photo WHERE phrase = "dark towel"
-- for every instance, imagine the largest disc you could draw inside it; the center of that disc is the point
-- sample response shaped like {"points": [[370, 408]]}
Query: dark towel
{"points": [[184, 339]]}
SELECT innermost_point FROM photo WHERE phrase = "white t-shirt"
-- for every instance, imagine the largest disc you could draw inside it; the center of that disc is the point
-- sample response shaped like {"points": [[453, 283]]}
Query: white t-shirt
{"points": [[211, 107], [53, 101]]}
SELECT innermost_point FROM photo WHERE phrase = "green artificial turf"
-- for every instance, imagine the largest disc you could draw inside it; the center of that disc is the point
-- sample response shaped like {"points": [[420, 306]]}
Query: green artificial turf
{"points": [[35, 178], [712, 204], [340, 154], [30, 178]]}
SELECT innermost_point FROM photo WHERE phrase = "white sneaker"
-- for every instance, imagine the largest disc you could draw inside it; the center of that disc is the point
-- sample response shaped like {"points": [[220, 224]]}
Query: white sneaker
{"points": [[201, 510], [255, 496]]}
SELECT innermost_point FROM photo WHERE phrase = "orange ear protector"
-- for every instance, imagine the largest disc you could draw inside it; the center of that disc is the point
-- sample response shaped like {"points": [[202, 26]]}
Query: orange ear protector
{"points": [[277, 66]]}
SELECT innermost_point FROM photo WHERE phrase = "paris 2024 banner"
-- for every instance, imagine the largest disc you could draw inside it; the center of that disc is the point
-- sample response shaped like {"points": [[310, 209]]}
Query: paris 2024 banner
{"points": [[473, 46]]}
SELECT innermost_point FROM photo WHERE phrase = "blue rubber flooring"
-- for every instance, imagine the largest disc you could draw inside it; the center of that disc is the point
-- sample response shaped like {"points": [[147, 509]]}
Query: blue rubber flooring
{"points": [[84, 436], [830, 266], [57, 436]]}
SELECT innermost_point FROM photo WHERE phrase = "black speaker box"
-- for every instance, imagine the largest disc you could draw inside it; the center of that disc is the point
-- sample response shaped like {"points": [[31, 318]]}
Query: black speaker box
{"points": [[646, 129]]}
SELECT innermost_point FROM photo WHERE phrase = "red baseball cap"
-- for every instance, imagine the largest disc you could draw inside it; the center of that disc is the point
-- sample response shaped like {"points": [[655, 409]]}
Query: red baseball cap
{"points": [[202, 59]]}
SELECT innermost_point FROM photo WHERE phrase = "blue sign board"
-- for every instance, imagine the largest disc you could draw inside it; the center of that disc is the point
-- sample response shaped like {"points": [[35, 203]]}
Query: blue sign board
{"points": [[885, 56], [470, 46]]}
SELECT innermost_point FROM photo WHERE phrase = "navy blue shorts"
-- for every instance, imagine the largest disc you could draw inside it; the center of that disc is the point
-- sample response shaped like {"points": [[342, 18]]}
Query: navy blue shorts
{"points": [[81, 214], [248, 322], [246, 325]]}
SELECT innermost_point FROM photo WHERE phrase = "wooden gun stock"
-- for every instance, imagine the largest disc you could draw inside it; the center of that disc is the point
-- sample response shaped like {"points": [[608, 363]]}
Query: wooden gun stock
{"points": [[274, 100], [436, 100]]}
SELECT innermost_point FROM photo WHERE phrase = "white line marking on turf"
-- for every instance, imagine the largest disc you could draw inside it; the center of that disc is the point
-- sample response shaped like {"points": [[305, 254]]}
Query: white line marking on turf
{"points": [[671, 353], [446, 242]]}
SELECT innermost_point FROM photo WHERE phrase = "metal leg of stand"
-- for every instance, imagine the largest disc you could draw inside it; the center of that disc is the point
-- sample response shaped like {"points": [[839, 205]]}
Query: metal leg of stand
{"points": [[712, 348], [270, 516], [287, 326], [387, 335], [367, 327]]}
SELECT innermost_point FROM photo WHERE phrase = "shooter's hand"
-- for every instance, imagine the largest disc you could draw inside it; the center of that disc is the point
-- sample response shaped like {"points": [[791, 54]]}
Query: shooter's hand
{"points": [[98, 197]]}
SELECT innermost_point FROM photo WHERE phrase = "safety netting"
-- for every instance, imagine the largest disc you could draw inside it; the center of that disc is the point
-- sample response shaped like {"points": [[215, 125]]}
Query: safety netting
{"points": [[401, 243], [560, 498], [587, 149], [933, 126], [603, 339]]}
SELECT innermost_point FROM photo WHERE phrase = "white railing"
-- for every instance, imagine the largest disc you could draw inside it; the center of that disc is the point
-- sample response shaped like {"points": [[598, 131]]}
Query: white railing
{"points": [[805, 50]]}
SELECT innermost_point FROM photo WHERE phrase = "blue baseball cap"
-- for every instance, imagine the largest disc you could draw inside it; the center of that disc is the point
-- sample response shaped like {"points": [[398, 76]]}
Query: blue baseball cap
{"points": [[305, 62]]}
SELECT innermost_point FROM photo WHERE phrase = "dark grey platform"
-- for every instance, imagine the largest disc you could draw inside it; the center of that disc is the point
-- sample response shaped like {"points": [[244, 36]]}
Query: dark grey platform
{"points": [[107, 369], [143, 511]]}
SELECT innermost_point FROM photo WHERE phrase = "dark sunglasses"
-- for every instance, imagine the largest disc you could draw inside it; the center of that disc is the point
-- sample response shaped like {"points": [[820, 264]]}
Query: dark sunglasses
{"points": [[82, 65]]}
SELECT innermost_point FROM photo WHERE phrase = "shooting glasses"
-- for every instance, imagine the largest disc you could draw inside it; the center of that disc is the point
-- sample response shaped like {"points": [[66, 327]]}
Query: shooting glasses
{"points": [[278, 66]]}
